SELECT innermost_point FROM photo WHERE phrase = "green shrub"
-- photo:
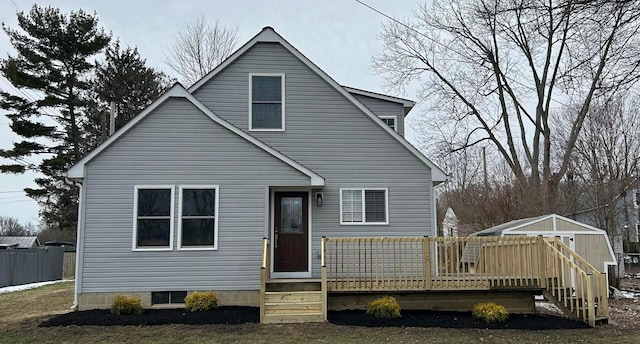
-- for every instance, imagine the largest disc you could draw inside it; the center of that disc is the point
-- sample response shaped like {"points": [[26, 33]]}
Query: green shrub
{"points": [[490, 312], [126, 305], [200, 301], [385, 307]]}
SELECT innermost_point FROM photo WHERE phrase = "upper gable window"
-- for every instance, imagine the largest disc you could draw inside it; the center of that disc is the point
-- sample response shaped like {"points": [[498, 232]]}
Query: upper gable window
{"points": [[266, 108], [390, 121]]}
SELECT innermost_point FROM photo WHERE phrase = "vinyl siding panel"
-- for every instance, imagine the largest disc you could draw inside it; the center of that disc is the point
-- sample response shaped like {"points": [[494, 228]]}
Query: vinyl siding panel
{"points": [[330, 135], [178, 145], [384, 108]]}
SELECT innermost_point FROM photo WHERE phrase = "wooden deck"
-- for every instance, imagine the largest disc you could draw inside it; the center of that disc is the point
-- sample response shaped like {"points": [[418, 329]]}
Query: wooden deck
{"points": [[452, 265]]}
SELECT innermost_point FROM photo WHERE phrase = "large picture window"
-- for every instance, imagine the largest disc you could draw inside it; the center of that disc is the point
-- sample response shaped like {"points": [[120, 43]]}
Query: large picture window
{"points": [[364, 206], [266, 108], [153, 217], [198, 217]]}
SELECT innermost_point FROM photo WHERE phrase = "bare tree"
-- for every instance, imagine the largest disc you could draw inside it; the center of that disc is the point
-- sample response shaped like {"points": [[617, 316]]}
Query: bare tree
{"points": [[494, 71], [199, 48], [10, 226]]}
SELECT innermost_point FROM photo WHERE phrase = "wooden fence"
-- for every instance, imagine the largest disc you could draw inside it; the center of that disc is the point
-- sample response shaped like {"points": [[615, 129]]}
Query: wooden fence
{"points": [[69, 265]]}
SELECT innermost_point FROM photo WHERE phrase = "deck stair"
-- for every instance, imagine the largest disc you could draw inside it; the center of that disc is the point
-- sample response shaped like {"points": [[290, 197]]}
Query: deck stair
{"points": [[293, 301]]}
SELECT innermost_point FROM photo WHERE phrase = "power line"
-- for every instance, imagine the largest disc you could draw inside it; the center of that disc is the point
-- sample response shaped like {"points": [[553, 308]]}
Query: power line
{"points": [[13, 191], [14, 5], [432, 40]]}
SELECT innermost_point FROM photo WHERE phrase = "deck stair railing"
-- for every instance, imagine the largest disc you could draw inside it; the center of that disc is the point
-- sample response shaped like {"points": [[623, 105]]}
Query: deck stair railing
{"points": [[573, 284], [264, 276]]}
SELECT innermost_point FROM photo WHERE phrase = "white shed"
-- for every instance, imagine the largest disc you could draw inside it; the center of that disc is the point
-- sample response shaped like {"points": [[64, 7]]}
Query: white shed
{"points": [[589, 242]]}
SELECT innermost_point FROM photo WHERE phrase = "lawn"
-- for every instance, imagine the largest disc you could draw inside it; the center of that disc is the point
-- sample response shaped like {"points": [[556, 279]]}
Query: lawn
{"points": [[22, 312]]}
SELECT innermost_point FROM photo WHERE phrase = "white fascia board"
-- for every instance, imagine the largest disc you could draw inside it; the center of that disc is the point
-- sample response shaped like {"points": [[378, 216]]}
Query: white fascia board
{"points": [[178, 91], [405, 102], [268, 34]]}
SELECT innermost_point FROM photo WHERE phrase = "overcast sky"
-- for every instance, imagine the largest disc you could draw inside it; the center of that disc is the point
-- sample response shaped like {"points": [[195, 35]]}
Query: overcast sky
{"points": [[337, 35]]}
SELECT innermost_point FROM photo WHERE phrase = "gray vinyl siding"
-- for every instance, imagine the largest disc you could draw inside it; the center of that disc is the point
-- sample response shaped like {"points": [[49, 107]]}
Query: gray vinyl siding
{"points": [[330, 135], [178, 145], [384, 108]]}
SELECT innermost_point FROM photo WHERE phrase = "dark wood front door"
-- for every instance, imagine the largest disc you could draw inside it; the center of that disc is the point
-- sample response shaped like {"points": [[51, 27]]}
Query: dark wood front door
{"points": [[291, 232]]}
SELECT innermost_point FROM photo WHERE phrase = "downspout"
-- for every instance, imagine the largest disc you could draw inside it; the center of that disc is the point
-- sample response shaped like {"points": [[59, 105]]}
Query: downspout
{"points": [[79, 247]]}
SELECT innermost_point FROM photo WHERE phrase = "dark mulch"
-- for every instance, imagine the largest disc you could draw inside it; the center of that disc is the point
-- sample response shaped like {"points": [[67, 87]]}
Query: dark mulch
{"points": [[453, 320], [242, 315], [223, 315]]}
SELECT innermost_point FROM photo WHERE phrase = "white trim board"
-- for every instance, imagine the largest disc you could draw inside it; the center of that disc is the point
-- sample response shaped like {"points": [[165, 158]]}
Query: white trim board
{"points": [[268, 34], [293, 274], [178, 91], [406, 103]]}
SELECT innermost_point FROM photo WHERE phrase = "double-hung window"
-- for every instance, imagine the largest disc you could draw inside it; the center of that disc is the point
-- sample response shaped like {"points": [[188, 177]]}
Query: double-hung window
{"points": [[266, 97], [198, 217], [153, 218], [364, 206], [390, 121]]}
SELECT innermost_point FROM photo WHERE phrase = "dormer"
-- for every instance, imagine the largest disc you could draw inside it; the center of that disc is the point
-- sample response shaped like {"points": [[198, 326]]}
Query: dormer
{"points": [[391, 110]]}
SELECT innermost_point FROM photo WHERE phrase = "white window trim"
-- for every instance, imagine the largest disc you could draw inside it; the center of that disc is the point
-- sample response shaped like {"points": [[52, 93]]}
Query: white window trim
{"points": [[134, 242], [251, 75], [364, 207], [215, 219], [395, 121]]}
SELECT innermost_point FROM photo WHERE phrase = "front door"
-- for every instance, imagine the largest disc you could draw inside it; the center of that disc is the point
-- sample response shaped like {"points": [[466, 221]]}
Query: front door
{"points": [[291, 232]]}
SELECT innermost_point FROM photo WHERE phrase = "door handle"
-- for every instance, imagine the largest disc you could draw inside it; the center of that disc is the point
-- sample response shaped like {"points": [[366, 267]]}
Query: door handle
{"points": [[275, 244]]}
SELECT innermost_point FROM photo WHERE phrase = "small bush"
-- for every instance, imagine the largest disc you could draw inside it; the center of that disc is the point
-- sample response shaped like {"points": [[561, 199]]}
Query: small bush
{"points": [[490, 312], [385, 307], [126, 305], [200, 301]]}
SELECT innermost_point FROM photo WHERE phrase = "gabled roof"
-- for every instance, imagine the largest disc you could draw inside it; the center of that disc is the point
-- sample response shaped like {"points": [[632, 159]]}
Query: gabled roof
{"points": [[268, 34], [406, 103], [19, 241], [178, 91], [516, 224]]}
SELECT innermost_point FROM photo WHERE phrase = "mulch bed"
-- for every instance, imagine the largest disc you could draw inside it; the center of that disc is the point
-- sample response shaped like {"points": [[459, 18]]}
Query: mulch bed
{"points": [[453, 320], [242, 315], [224, 315]]}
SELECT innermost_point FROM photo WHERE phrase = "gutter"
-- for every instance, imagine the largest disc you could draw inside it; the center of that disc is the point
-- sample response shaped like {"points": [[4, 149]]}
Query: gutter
{"points": [[77, 182]]}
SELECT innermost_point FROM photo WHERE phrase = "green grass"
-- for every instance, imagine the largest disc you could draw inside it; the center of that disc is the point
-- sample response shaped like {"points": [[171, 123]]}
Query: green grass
{"points": [[21, 312]]}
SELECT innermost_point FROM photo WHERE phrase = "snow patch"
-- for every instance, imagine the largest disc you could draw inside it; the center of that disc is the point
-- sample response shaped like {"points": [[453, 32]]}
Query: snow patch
{"points": [[14, 288]]}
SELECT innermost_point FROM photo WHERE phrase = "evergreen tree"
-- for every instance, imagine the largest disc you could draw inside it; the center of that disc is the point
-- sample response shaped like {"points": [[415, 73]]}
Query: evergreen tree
{"points": [[124, 78], [53, 62]]}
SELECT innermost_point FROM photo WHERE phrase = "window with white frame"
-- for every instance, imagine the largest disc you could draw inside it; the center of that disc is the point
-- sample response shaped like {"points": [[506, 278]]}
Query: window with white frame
{"points": [[364, 206], [266, 108], [390, 121], [198, 217], [153, 217]]}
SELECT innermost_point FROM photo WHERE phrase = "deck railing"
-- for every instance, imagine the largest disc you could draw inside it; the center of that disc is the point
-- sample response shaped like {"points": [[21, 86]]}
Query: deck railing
{"points": [[264, 276], [454, 263]]}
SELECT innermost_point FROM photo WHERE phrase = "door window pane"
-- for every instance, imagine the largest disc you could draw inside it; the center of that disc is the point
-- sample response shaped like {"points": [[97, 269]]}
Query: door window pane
{"points": [[291, 215]]}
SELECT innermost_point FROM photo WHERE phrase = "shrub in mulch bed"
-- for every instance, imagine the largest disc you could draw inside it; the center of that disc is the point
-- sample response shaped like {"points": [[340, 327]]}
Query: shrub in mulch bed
{"points": [[223, 315], [453, 320]]}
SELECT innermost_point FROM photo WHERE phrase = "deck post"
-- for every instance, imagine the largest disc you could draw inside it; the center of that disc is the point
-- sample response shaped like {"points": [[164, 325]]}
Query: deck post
{"points": [[426, 262], [603, 301], [263, 276], [590, 301], [323, 282], [542, 266]]}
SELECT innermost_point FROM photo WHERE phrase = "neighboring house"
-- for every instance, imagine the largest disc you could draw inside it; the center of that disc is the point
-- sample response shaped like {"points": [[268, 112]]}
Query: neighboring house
{"points": [[19, 242], [615, 207], [266, 145], [450, 224]]}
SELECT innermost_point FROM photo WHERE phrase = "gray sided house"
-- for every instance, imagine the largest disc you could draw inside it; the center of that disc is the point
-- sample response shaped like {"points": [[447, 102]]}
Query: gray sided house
{"points": [[266, 145]]}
